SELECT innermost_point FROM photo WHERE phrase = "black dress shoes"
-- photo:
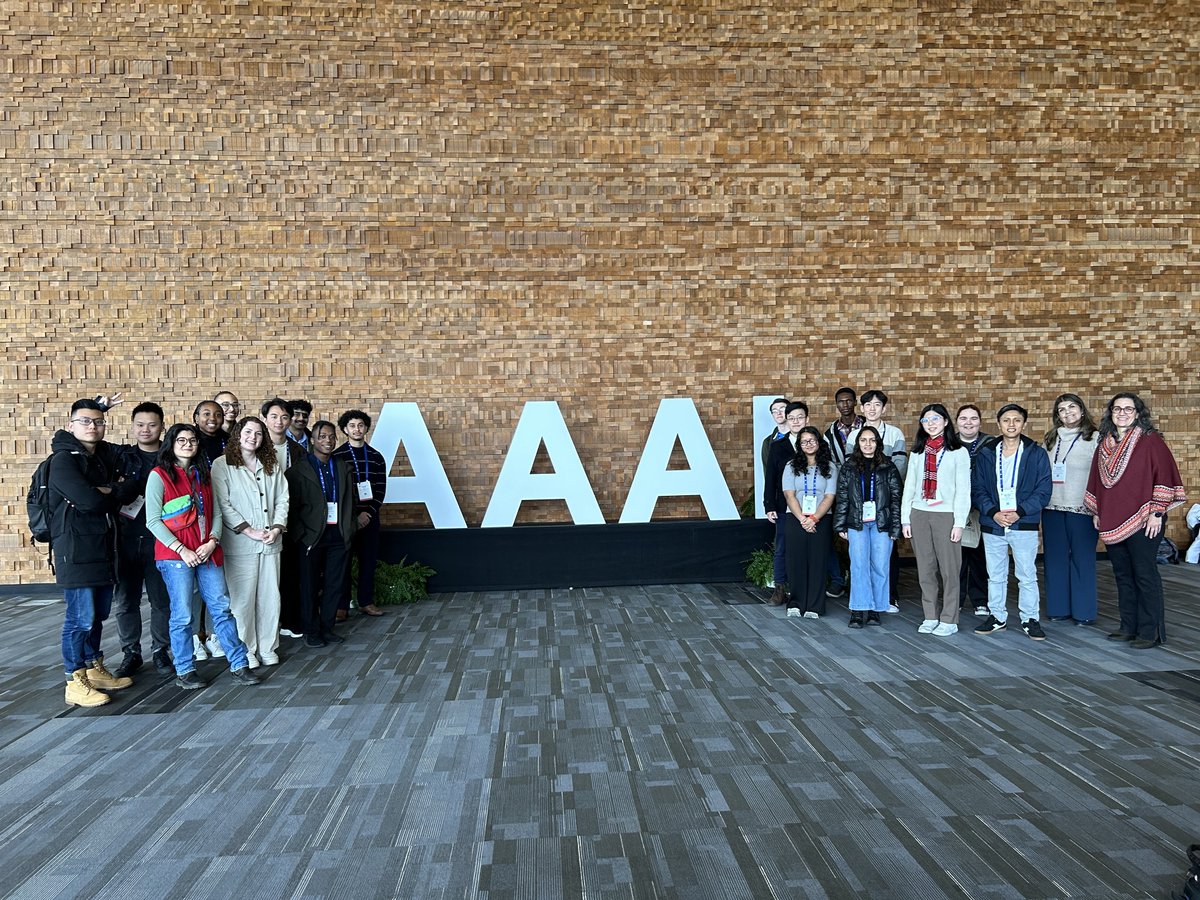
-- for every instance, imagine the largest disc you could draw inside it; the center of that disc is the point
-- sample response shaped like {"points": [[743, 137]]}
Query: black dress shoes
{"points": [[1144, 644], [313, 640], [1121, 636]]}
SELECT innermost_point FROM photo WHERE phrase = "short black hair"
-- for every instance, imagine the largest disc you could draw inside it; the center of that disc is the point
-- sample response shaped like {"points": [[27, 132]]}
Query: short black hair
{"points": [[795, 405], [783, 400], [275, 401], [323, 423], [204, 403], [1012, 407], [874, 394], [845, 390], [148, 407], [87, 403], [302, 405], [345, 418]]}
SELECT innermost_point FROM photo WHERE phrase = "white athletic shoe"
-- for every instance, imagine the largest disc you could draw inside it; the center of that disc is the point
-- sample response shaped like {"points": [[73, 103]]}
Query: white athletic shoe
{"points": [[928, 626], [811, 615], [945, 628], [199, 651], [893, 608], [214, 647], [793, 613]]}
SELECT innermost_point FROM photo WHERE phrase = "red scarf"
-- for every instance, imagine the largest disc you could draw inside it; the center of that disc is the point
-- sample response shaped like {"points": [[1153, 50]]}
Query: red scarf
{"points": [[932, 446]]}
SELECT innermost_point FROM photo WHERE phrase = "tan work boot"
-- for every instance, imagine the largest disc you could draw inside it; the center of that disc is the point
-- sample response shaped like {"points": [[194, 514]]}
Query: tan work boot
{"points": [[101, 678], [81, 693]]}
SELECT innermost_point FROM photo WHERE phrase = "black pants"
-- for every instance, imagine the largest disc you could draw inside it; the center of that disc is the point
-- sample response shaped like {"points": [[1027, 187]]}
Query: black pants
{"points": [[135, 568], [289, 588], [807, 563], [972, 577], [1139, 587], [365, 546], [324, 572]]}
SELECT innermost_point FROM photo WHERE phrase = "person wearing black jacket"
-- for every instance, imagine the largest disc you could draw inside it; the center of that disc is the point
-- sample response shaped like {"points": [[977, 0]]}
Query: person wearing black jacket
{"points": [[867, 515], [774, 503], [369, 469], [135, 553], [321, 524], [86, 490]]}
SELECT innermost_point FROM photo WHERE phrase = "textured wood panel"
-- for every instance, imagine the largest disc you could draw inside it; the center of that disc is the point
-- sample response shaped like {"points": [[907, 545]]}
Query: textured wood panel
{"points": [[471, 205]]}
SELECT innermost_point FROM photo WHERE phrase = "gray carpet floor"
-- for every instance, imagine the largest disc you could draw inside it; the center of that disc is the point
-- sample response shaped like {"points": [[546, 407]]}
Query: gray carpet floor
{"points": [[637, 742]]}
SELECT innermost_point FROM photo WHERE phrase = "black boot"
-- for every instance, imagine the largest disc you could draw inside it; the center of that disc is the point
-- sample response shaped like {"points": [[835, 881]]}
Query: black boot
{"points": [[780, 594], [856, 619], [872, 618], [130, 664]]}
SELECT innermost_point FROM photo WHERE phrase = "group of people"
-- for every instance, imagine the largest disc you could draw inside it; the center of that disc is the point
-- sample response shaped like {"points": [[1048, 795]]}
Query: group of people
{"points": [[253, 520], [968, 501]]}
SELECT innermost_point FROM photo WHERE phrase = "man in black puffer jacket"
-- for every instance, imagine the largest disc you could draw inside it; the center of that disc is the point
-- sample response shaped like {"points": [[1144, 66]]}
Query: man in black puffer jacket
{"points": [[86, 490]]}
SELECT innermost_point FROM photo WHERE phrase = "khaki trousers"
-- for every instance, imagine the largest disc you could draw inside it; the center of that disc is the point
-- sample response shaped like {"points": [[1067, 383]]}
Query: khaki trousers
{"points": [[937, 554]]}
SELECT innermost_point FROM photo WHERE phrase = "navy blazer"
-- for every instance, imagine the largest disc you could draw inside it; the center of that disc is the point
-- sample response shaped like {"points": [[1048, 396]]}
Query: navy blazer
{"points": [[1033, 485]]}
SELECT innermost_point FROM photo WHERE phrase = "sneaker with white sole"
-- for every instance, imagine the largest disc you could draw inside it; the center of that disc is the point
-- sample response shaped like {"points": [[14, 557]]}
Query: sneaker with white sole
{"points": [[1031, 627], [268, 658], [927, 626], [252, 661], [981, 611], [990, 626], [893, 608], [811, 615], [944, 629], [214, 647], [199, 651], [793, 613]]}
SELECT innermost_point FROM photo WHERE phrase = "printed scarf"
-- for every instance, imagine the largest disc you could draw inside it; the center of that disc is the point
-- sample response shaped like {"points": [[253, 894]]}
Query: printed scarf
{"points": [[929, 485], [1113, 455]]}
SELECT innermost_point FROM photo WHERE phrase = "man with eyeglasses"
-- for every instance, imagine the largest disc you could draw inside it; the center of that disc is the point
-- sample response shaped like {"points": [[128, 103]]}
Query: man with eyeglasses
{"points": [[86, 491], [231, 409]]}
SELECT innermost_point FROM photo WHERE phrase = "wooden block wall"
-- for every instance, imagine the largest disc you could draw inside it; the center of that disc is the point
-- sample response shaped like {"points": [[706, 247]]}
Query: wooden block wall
{"points": [[470, 205]]}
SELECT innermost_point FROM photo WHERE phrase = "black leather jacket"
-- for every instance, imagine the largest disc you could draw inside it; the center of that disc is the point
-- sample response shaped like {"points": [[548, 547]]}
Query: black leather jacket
{"points": [[847, 514]]}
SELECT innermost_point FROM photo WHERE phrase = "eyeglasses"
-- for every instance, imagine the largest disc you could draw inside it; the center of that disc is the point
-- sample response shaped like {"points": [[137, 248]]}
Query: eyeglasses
{"points": [[1123, 410], [230, 406], [186, 441], [932, 420], [796, 420], [808, 442], [85, 422]]}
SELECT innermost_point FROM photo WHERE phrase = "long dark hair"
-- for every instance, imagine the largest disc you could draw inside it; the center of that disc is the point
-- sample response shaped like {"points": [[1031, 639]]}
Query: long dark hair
{"points": [[824, 457], [168, 461], [1143, 420], [864, 463], [1087, 427], [952, 441], [266, 450]]}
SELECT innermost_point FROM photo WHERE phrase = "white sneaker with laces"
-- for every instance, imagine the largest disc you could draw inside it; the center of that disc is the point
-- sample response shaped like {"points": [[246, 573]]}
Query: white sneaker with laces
{"points": [[893, 608], [945, 628], [981, 611], [269, 659], [793, 613], [252, 661], [928, 626], [199, 651], [811, 615], [214, 647]]}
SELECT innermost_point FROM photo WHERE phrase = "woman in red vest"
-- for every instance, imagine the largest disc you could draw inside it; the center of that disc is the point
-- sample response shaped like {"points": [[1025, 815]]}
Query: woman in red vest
{"points": [[186, 524]]}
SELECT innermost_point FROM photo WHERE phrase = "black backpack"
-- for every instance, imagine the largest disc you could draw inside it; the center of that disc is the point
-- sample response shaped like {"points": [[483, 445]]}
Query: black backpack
{"points": [[37, 503]]}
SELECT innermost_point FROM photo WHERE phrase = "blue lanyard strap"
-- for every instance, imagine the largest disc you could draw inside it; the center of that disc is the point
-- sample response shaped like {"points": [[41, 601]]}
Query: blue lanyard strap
{"points": [[1000, 465], [365, 474], [871, 495], [1058, 444], [195, 474], [325, 489], [814, 484]]}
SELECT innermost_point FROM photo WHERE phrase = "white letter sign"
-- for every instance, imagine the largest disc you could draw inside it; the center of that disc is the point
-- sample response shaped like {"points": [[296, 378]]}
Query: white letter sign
{"points": [[402, 423]]}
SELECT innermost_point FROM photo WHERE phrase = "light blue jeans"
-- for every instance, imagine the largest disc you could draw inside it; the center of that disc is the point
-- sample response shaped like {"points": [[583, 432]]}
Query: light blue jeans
{"points": [[181, 581], [870, 568], [1023, 545]]}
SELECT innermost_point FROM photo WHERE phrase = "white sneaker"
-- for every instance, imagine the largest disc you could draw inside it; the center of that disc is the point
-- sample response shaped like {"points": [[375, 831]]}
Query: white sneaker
{"points": [[252, 661], [893, 608], [199, 651], [981, 611], [288, 633], [269, 659], [811, 615], [214, 647], [928, 626], [793, 613], [945, 628]]}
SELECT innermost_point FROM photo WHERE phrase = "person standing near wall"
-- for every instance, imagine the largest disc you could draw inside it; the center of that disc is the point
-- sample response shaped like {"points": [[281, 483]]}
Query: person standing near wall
{"points": [[933, 513], [1133, 484], [774, 503], [972, 580], [369, 469], [874, 404], [809, 486], [1068, 534]]}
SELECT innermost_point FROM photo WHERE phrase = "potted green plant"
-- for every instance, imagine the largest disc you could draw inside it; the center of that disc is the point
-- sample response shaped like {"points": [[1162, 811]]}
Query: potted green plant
{"points": [[401, 582]]}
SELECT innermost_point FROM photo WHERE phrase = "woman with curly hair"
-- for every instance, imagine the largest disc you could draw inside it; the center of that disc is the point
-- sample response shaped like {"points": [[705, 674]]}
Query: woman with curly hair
{"points": [[933, 514], [253, 496], [1068, 535], [809, 487], [1134, 482]]}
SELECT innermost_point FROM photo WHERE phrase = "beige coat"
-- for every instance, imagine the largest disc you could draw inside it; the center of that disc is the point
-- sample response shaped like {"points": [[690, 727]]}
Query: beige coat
{"points": [[249, 499]]}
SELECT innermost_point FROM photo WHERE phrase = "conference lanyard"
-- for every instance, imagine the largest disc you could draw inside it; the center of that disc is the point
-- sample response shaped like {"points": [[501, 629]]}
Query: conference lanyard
{"points": [[325, 489]]}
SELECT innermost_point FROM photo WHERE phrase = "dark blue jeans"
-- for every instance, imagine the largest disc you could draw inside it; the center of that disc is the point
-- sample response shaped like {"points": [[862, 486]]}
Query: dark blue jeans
{"points": [[83, 626]]}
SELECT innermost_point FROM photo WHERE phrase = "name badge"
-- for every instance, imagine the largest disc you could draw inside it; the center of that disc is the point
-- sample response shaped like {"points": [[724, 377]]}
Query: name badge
{"points": [[868, 511], [1008, 500], [330, 513], [133, 507], [1058, 473], [808, 504], [364, 491]]}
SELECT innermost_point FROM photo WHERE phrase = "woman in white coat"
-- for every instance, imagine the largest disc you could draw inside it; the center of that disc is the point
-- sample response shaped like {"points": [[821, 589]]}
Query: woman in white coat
{"points": [[253, 497]]}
